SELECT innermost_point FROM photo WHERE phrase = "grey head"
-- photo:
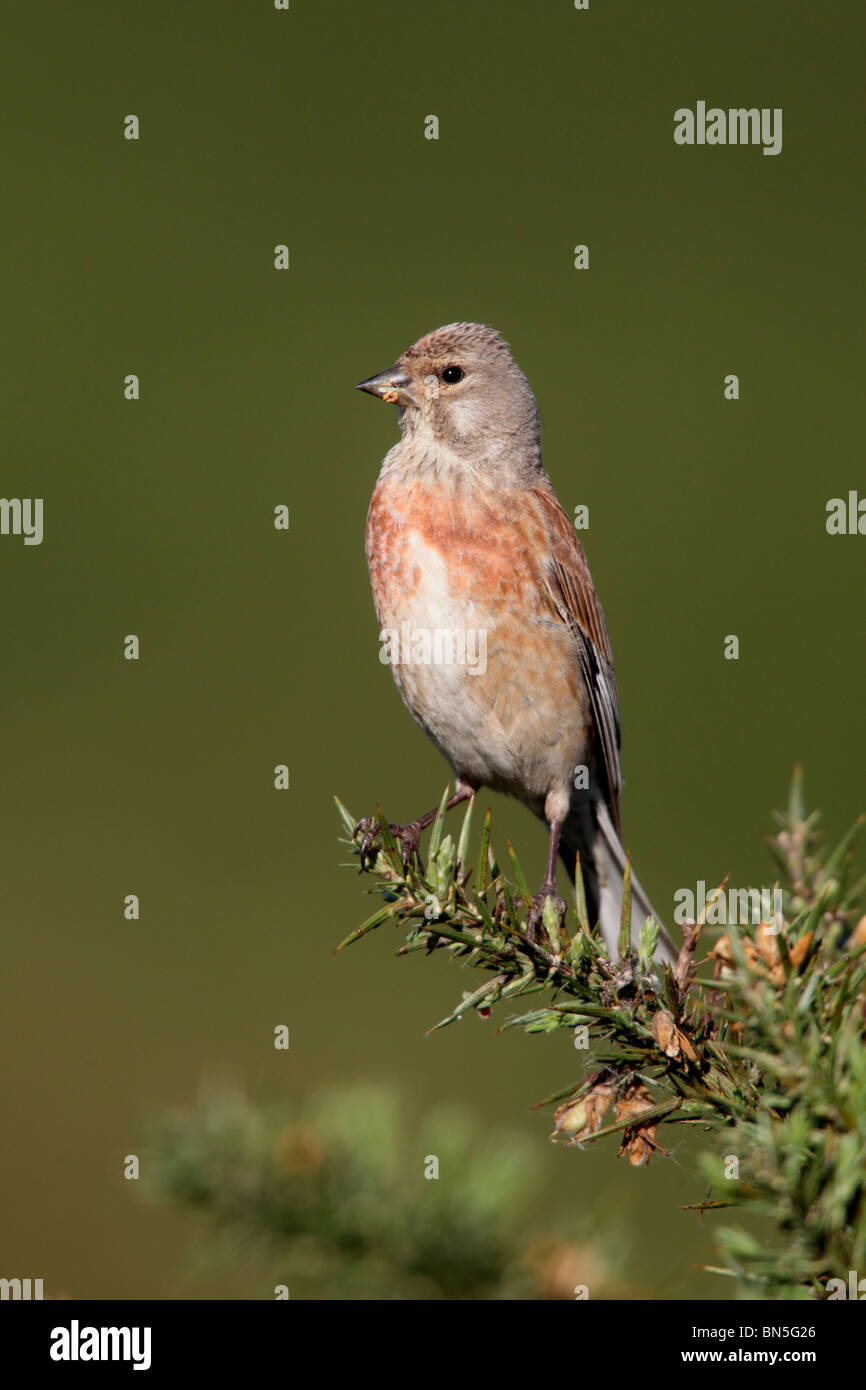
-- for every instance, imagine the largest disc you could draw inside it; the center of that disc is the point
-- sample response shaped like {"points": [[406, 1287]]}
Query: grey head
{"points": [[460, 389]]}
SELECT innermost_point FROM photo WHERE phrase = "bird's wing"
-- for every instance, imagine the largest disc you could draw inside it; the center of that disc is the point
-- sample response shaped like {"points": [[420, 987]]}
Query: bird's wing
{"points": [[570, 590]]}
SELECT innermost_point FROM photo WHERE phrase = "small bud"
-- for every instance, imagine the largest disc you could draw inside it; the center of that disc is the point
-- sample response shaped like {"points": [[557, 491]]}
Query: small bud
{"points": [[647, 942], [722, 952], [570, 1118], [443, 869], [550, 922], [799, 950], [639, 1141], [672, 1041], [858, 936], [665, 1033], [584, 1116], [576, 949]]}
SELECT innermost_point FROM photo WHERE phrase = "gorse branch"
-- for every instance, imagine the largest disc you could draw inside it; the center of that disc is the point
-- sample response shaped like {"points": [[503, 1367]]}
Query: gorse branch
{"points": [[757, 1032]]}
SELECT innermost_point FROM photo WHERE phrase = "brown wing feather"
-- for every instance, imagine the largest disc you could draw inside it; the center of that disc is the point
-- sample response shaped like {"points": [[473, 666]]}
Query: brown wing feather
{"points": [[572, 596]]}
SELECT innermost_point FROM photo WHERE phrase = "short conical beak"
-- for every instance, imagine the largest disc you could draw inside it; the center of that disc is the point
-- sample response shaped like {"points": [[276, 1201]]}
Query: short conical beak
{"points": [[391, 385]]}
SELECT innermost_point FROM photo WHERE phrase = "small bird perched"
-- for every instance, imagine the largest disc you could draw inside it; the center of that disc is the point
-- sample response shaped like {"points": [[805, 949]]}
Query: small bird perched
{"points": [[465, 536]]}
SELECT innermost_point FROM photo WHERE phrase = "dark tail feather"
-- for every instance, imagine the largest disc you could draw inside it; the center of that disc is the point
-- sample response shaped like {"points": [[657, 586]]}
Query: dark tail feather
{"points": [[590, 832]]}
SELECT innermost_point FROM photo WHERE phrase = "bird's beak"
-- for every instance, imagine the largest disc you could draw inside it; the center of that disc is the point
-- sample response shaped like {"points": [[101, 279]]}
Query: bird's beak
{"points": [[391, 385]]}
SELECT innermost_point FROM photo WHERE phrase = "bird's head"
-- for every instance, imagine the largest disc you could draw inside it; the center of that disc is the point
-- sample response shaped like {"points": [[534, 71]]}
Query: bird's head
{"points": [[460, 387]]}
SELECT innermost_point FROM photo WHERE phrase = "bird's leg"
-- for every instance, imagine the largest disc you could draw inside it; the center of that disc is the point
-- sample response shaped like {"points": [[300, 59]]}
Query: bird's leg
{"points": [[548, 887], [408, 836]]}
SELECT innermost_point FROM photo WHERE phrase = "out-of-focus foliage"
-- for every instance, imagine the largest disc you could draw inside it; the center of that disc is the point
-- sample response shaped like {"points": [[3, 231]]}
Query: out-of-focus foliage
{"points": [[333, 1196]]}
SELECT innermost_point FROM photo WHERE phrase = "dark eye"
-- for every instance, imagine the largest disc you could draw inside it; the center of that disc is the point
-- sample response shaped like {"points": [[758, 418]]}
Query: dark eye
{"points": [[452, 375]]}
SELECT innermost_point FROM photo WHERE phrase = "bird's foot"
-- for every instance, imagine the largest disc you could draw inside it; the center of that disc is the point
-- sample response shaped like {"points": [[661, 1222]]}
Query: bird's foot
{"points": [[408, 837], [536, 912]]}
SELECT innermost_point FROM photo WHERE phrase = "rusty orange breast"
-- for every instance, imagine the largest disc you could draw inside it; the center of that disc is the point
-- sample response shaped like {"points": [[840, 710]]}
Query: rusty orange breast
{"points": [[492, 543]]}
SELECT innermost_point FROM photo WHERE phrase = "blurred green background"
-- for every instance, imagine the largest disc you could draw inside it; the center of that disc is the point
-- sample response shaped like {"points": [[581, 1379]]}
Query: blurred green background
{"points": [[259, 647]]}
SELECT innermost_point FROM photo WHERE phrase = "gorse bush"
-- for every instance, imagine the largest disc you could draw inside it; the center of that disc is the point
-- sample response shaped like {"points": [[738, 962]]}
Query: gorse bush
{"points": [[756, 1033]]}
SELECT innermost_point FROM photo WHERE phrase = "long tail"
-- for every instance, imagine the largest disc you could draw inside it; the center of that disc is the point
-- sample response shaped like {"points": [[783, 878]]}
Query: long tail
{"points": [[590, 830]]}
